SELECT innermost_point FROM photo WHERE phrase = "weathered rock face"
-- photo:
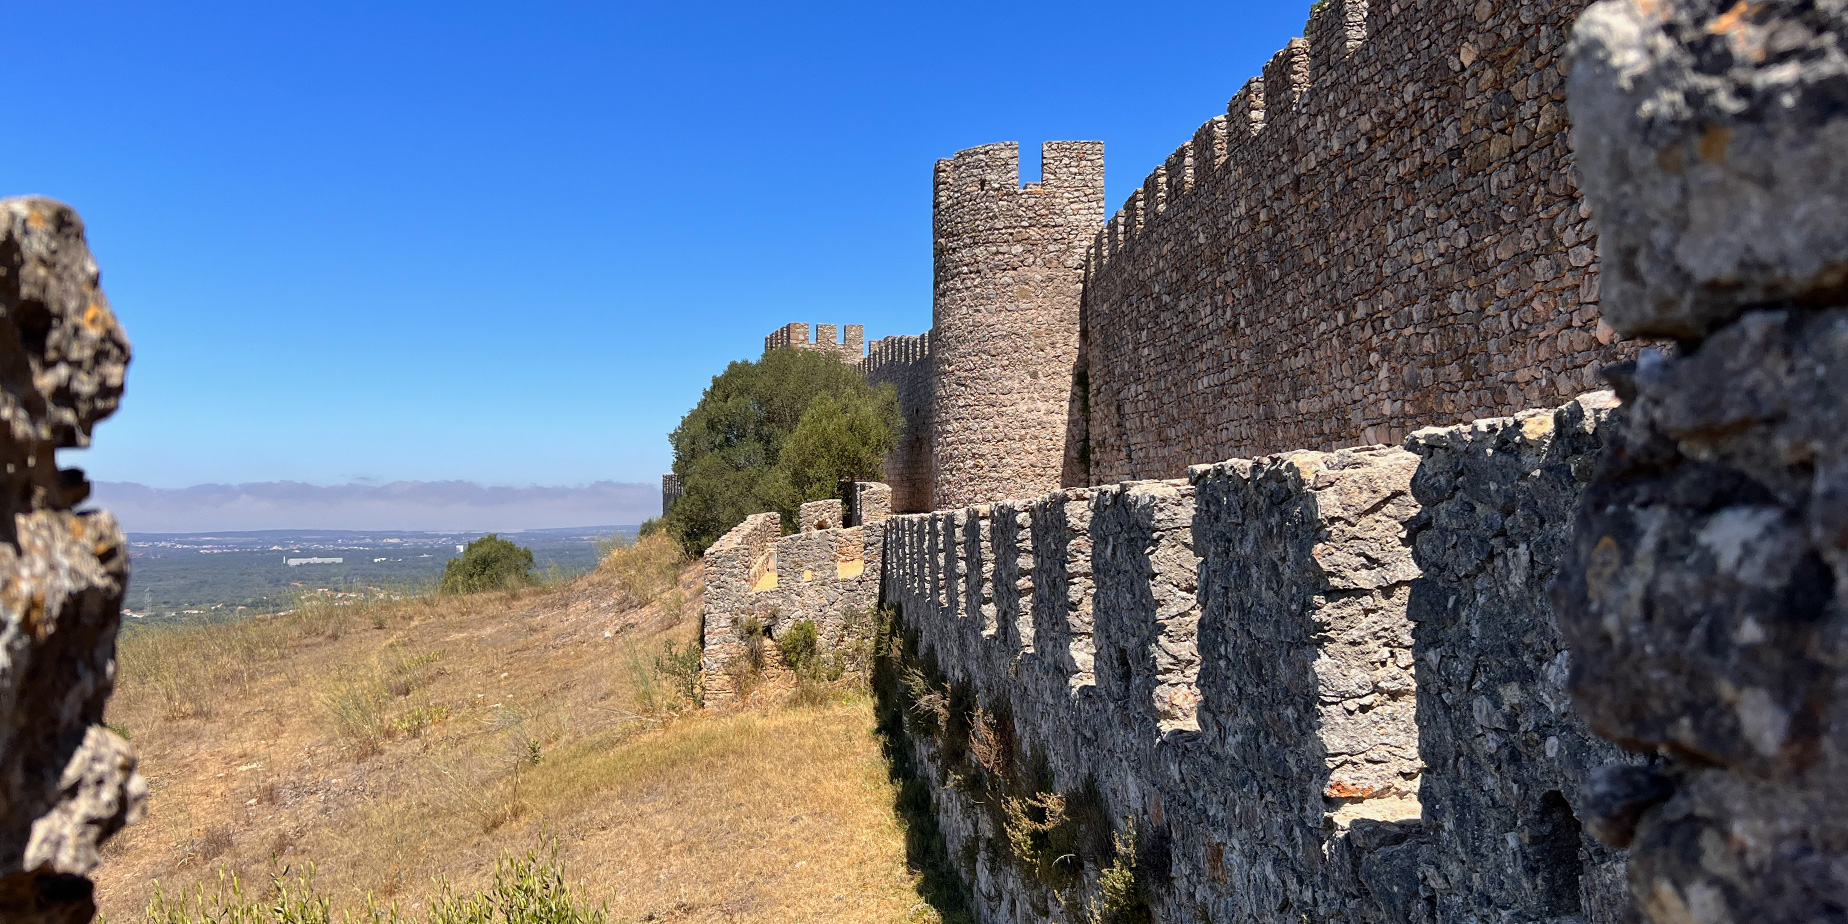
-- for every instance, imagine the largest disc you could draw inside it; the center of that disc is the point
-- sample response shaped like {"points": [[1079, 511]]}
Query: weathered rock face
{"points": [[1702, 594], [1710, 135], [66, 783]]}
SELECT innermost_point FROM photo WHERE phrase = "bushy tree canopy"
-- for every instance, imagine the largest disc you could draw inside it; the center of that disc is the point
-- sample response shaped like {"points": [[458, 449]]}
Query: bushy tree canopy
{"points": [[488, 563], [771, 434]]}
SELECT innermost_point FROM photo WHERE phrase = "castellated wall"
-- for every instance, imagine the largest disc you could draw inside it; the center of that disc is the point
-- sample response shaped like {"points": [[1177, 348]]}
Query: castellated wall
{"points": [[906, 363], [848, 345], [1315, 686], [1384, 231], [1008, 273], [759, 583]]}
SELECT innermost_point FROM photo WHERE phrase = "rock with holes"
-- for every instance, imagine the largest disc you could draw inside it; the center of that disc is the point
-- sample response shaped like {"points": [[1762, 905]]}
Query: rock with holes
{"points": [[1712, 139], [66, 783]]}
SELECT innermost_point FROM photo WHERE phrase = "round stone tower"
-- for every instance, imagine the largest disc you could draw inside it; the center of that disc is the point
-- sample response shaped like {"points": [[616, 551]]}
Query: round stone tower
{"points": [[1009, 274]]}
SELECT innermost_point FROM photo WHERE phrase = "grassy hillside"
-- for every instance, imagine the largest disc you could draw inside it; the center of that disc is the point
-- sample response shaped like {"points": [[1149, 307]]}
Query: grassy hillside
{"points": [[396, 745]]}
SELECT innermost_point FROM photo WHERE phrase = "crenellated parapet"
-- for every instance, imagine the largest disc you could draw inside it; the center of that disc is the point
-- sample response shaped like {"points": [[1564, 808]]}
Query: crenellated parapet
{"points": [[849, 344], [1382, 231], [1322, 686]]}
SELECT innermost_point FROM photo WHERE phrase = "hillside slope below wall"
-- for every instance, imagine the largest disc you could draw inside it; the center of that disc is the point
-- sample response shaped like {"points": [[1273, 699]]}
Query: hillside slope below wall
{"points": [[1383, 232]]}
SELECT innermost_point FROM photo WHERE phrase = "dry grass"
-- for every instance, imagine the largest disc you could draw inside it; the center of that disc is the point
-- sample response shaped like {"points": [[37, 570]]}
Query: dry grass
{"points": [[403, 741]]}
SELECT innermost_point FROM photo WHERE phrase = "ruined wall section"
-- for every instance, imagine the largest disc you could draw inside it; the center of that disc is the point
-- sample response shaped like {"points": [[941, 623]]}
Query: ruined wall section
{"points": [[759, 583], [66, 783], [1382, 232], [849, 345], [907, 364], [1249, 669], [1008, 276]]}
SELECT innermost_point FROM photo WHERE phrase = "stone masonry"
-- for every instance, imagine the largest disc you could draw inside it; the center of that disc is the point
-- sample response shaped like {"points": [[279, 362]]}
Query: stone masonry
{"points": [[66, 782], [849, 349], [760, 582], [1703, 593], [1578, 665], [907, 364], [1314, 684], [1383, 231], [1009, 265]]}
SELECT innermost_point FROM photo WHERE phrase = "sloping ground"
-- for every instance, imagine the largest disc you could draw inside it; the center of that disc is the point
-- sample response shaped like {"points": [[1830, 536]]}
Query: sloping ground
{"points": [[394, 744]]}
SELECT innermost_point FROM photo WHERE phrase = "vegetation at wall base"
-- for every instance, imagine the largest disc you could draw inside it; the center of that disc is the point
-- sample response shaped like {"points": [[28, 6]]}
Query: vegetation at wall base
{"points": [[1062, 841], [488, 563], [773, 434]]}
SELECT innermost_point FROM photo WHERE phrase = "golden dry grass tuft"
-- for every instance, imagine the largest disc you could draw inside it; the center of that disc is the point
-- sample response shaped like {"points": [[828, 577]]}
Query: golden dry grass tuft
{"points": [[402, 742]]}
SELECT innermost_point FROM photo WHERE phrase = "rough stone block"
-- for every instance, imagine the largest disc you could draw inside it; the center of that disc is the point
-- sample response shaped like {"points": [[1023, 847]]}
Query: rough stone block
{"points": [[1712, 140]]}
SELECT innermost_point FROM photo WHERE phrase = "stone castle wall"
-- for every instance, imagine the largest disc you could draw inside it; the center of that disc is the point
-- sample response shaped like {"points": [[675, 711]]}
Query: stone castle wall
{"points": [[849, 344], [1384, 231], [1321, 686], [906, 363], [1008, 274], [759, 583]]}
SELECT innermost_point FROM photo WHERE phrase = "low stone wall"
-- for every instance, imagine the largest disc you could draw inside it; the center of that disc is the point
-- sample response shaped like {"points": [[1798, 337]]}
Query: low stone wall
{"points": [[760, 583], [1241, 692]]}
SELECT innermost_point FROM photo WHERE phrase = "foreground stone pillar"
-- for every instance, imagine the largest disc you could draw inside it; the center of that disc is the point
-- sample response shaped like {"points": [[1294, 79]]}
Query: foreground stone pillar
{"points": [[1702, 597], [66, 783]]}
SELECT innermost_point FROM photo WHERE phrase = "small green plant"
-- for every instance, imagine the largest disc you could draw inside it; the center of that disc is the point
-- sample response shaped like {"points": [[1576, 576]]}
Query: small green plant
{"points": [[929, 703], [751, 630], [526, 890], [800, 646], [488, 563], [419, 719], [681, 666], [291, 900], [1121, 896]]}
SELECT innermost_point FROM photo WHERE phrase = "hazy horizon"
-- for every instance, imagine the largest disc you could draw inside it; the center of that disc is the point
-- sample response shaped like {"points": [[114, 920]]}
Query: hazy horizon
{"points": [[412, 506]]}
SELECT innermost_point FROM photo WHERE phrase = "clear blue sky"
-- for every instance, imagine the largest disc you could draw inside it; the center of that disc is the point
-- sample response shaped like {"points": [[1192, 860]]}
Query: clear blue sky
{"points": [[511, 243]]}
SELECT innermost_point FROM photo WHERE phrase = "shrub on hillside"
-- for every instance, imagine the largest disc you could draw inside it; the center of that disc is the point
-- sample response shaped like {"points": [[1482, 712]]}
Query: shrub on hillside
{"points": [[771, 434], [488, 563], [647, 567], [526, 890]]}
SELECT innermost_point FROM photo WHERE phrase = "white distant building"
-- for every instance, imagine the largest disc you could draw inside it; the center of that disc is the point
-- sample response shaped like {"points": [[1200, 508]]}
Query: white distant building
{"points": [[459, 548], [313, 561]]}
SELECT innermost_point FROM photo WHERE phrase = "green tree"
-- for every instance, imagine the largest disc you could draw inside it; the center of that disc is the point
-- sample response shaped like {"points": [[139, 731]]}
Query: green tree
{"points": [[488, 563], [771, 434]]}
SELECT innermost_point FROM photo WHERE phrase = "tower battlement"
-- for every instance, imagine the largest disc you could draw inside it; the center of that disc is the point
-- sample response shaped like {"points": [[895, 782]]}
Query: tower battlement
{"points": [[1009, 273], [849, 348]]}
